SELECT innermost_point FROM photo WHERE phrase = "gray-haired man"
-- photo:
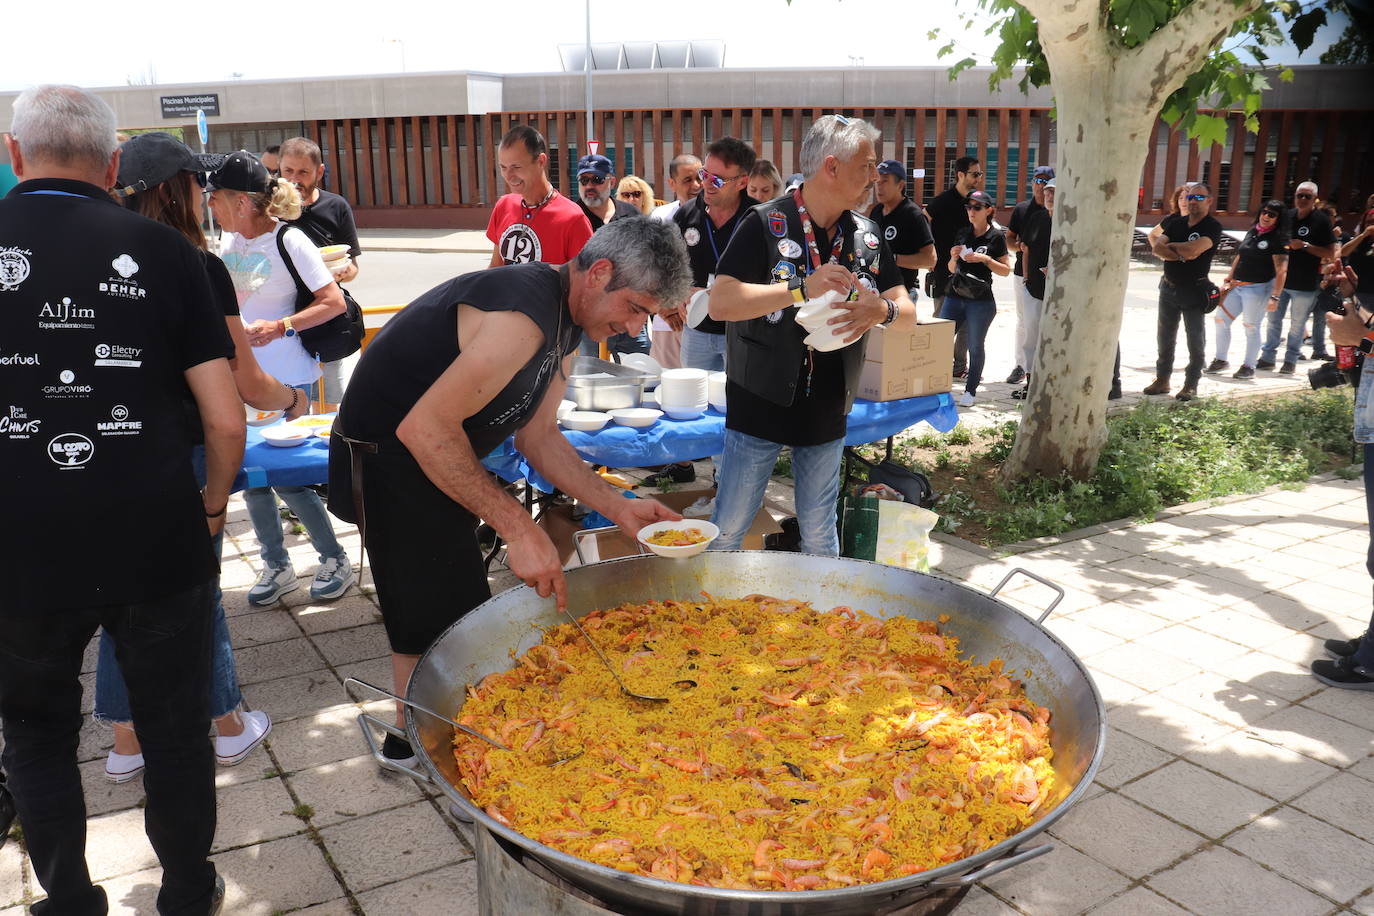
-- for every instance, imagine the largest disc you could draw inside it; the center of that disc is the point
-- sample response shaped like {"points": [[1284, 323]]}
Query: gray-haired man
{"points": [[459, 370], [1313, 239], [781, 391]]}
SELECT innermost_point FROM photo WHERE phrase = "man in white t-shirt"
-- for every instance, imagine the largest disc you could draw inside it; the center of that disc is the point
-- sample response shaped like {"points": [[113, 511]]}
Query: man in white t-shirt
{"points": [[684, 179]]}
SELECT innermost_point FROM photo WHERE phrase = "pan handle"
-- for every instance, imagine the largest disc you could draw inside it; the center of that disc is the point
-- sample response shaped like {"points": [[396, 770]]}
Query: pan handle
{"points": [[994, 868], [364, 721], [583, 533], [413, 705], [1059, 592]]}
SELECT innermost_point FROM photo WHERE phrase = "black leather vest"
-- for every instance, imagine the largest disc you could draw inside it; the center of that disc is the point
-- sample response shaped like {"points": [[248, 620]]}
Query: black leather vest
{"points": [[764, 355]]}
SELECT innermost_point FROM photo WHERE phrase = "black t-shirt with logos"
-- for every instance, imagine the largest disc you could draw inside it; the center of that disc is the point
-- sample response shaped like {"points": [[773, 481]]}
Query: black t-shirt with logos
{"points": [[104, 312], [1036, 230], [1256, 255], [1304, 269], [992, 243], [706, 242], [906, 231], [816, 415], [1176, 229], [622, 209], [947, 219], [329, 221], [1020, 215]]}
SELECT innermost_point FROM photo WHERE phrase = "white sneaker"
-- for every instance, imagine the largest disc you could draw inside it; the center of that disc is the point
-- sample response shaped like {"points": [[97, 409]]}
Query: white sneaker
{"points": [[966, 399], [232, 749], [120, 768], [332, 579], [272, 584]]}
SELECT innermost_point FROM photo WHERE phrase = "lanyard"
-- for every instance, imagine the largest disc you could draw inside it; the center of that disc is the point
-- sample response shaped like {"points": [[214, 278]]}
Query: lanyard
{"points": [[56, 193], [815, 252]]}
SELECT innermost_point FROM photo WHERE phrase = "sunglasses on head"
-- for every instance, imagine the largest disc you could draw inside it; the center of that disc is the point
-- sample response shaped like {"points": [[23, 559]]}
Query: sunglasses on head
{"points": [[635, 194], [1197, 196], [585, 180], [714, 180]]}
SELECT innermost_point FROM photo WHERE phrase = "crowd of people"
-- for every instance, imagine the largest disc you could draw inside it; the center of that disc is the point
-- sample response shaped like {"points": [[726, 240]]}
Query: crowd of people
{"points": [[129, 382]]}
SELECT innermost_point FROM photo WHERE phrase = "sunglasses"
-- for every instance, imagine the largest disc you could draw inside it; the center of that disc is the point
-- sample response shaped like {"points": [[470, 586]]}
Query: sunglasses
{"points": [[1197, 196], [1269, 213], [585, 180], [974, 207], [635, 194], [1036, 180], [1304, 196], [714, 180], [841, 120]]}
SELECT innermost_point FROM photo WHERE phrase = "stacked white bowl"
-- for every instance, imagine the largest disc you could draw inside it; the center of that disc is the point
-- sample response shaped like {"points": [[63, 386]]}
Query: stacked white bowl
{"points": [[682, 393], [715, 390]]}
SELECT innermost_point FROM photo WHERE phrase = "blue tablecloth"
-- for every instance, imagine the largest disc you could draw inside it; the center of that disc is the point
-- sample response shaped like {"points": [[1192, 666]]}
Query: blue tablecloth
{"points": [[615, 446]]}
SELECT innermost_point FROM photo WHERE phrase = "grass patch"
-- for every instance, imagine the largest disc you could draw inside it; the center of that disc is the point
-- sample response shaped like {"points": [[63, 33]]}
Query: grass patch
{"points": [[1156, 456]]}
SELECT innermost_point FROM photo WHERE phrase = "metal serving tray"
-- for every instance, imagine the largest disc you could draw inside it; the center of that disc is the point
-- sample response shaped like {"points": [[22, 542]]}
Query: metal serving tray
{"points": [[614, 387]]}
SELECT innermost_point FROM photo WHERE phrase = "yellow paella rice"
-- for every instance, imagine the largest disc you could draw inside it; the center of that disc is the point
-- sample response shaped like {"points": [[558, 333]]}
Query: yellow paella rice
{"points": [[800, 748]]}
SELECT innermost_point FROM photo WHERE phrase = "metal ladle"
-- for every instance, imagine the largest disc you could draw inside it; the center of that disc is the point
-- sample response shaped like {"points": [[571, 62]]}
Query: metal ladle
{"points": [[607, 662]]}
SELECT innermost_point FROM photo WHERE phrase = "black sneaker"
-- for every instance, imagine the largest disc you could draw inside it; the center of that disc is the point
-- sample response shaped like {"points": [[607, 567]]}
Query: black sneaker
{"points": [[1322, 356], [1343, 648], [960, 373], [217, 898], [1288, 368], [398, 750], [1265, 364], [1017, 376], [1218, 365], [674, 474], [1343, 673], [1244, 372], [1115, 393], [1020, 394]]}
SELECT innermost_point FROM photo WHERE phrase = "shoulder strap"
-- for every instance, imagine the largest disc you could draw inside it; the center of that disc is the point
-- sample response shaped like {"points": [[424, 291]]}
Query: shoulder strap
{"points": [[282, 229]]}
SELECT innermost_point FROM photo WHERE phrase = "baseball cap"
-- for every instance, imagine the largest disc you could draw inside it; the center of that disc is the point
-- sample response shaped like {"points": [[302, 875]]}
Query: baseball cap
{"points": [[594, 165], [979, 197], [147, 160], [241, 171], [892, 167], [1049, 184], [1043, 171]]}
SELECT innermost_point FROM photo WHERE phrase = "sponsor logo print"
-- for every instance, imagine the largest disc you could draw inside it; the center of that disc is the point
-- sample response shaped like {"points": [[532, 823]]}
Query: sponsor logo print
{"points": [[1192, 236], [691, 235], [21, 359], [119, 423], [867, 282], [125, 266], [14, 268], [67, 387], [789, 248], [773, 317], [520, 244], [1302, 230], [17, 424], [890, 233], [66, 315], [115, 355], [70, 450]]}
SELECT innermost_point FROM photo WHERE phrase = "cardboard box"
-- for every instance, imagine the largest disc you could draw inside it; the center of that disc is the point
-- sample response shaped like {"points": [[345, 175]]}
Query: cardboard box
{"points": [[560, 525], [908, 364]]}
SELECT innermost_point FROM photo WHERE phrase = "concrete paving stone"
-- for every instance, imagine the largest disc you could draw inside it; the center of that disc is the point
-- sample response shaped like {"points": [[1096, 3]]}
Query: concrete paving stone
{"points": [[339, 907], [1318, 593], [449, 891], [1307, 851], [297, 695], [235, 603], [1105, 583], [1327, 551], [87, 682], [1345, 801], [92, 653], [1352, 579], [1364, 769], [382, 848], [1260, 764], [1219, 551], [237, 573], [1176, 608], [116, 845], [1122, 834], [355, 645], [1062, 881], [1081, 638], [1118, 619], [1126, 757], [275, 877], [348, 788], [311, 741], [1136, 540], [980, 902], [258, 629], [11, 875], [1142, 666], [94, 740], [1316, 735], [1213, 589], [1300, 647], [1114, 690], [1304, 567], [1138, 901], [1354, 706], [1088, 550], [1272, 675], [275, 660], [1282, 610], [1223, 698], [1218, 882], [103, 796], [1166, 724], [1191, 645], [1240, 627], [1198, 798], [352, 610], [1155, 570], [1309, 526], [1307, 498], [253, 813], [1365, 905], [134, 893], [1255, 574]]}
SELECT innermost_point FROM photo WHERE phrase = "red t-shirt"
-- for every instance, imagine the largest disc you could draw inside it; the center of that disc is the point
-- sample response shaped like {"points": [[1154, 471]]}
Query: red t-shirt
{"points": [[554, 234]]}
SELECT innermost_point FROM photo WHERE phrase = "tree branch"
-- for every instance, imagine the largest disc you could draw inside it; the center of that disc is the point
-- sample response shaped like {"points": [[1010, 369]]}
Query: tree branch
{"points": [[1161, 63], [1068, 21]]}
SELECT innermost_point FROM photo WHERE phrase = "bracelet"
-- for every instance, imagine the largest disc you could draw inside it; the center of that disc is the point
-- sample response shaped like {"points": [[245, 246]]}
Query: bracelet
{"points": [[295, 397], [891, 312], [217, 514]]}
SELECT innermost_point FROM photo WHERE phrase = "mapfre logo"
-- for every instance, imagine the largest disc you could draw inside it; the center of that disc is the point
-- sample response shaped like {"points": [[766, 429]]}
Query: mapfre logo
{"points": [[70, 450], [119, 423]]}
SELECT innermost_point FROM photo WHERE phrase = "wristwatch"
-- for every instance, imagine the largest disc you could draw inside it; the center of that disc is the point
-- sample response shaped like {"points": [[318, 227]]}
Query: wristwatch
{"points": [[1366, 345], [287, 329]]}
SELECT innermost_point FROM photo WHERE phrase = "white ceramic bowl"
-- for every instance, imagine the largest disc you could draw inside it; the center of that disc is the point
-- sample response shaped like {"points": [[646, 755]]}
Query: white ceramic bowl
{"points": [[691, 550], [564, 407], [687, 412], [287, 436], [333, 253], [587, 421], [255, 417], [718, 405], [649, 400], [637, 417], [683, 375], [644, 363]]}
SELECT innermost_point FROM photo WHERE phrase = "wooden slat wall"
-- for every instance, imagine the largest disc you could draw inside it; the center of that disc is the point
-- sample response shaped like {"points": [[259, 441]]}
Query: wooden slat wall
{"points": [[449, 160]]}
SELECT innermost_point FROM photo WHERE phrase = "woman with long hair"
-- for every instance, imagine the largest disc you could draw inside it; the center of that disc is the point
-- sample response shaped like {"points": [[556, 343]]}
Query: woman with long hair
{"points": [[161, 178], [765, 182], [1252, 286], [636, 192], [251, 205], [981, 251]]}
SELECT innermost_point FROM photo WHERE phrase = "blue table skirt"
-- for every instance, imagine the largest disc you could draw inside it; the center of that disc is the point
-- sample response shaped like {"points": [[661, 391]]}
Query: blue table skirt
{"points": [[615, 446]]}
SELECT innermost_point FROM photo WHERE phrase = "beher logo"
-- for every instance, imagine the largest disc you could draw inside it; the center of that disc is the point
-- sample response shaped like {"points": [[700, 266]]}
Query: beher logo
{"points": [[120, 424], [14, 268], [115, 355], [70, 450], [17, 424], [125, 266], [66, 315]]}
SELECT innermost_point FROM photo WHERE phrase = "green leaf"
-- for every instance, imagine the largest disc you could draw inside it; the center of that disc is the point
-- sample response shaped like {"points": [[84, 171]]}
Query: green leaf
{"points": [[961, 66], [1305, 27], [1209, 129], [932, 34], [945, 51], [1286, 75]]}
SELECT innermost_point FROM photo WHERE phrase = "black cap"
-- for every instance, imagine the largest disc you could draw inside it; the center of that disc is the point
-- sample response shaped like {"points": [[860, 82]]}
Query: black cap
{"points": [[147, 160], [241, 171], [980, 197]]}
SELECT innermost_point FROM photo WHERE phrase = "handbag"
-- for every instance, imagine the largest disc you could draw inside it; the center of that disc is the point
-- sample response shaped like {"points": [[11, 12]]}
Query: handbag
{"points": [[965, 286], [338, 337], [1211, 295]]}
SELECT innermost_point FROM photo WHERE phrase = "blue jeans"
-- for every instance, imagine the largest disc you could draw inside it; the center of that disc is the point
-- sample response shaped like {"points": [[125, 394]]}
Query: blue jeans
{"points": [[974, 318], [746, 466], [306, 503], [1248, 303], [163, 647], [1301, 303], [618, 343], [703, 350]]}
